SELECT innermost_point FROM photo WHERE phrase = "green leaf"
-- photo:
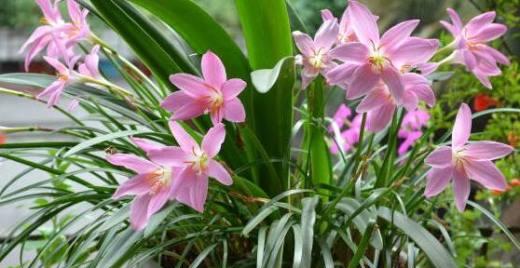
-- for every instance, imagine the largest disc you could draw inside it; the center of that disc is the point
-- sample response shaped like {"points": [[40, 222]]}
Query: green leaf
{"points": [[308, 219], [265, 79], [363, 245], [435, 251], [266, 29], [198, 261], [259, 218], [100, 139]]}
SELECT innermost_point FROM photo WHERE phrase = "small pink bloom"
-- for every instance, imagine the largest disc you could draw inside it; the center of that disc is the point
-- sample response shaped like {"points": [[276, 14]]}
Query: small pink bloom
{"points": [[463, 161], [151, 186], [196, 164], [314, 55], [212, 94], [349, 136], [91, 64], [471, 44], [345, 32], [65, 75], [411, 127], [374, 59]]}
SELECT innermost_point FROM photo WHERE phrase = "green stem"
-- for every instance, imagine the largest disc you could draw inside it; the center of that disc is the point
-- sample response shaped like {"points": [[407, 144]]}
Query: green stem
{"points": [[314, 135]]}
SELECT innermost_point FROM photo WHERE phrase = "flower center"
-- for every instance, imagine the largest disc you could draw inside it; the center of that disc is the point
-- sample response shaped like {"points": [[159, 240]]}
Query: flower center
{"points": [[457, 158], [216, 101], [62, 77], [377, 61], [159, 179], [317, 60], [199, 162]]}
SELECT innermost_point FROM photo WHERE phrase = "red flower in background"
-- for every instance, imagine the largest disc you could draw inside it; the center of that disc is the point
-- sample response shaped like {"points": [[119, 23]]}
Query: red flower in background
{"points": [[512, 139], [3, 138], [483, 102]]}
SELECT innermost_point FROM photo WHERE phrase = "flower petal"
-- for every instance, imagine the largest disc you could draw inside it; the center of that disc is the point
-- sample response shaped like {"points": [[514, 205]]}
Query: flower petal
{"points": [[364, 23], [364, 79], [176, 100], [487, 150], [146, 145], [350, 52], [199, 193], [327, 35], [462, 127], [189, 111], [170, 156], [304, 43], [185, 141], [413, 51], [219, 172], [137, 185], [326, 14], [379, 118], [157, 201], [341, 73], [399, 33], [232, 88], [373, 100], [461, 189], [455, 19], [213, 140], [234, 111], [213, 69], [392, 78], [485, 173], [139, 212], [479, 22], [191, 85], [425, 93], [437, 180], [490, 32], [441, 157], [469, 59], [132, 162]]}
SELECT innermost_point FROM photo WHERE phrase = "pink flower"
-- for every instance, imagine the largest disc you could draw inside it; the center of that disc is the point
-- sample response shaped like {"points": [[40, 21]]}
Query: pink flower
{"points": [[464, 161], [90, 66], [55, 34], [471, 44], [315, 56], [348, 137], [411, 127], [376, 59], [212, 94], [345, 32], [152, 186], [65, 75], [196, 164]]}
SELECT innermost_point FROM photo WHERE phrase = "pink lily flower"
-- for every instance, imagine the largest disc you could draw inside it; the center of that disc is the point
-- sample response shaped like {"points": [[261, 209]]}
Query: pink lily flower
{"points": [[65, 75], [196, 164], [151, 185], [348, 137], [471, 44], [345, 32], [314, 55], [411, 128], [55, 34], [90, 66], [463, 161], [376, 59], [212, 94]]}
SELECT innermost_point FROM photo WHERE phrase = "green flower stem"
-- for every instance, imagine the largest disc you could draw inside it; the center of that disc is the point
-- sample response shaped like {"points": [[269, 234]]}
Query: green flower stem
{"points": [[314, 135], [385, 173], [110, 86]]}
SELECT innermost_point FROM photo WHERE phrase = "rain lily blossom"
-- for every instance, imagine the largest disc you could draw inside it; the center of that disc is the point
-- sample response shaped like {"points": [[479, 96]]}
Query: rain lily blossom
{"points": [[411, 128], [55, 34], [90, 66], [463, 161], [66, 76], [345, 32], [471, 47], [212, 94], [314, 55], [196, 164], [151, 185], [375, 59], [348, 137]]}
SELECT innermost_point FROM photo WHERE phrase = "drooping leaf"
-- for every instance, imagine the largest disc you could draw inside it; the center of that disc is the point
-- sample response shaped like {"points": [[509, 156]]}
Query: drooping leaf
{"points": [[265, 79]]}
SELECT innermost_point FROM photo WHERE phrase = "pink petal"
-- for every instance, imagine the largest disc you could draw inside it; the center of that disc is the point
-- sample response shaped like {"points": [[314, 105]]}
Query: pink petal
{"points": [[409, 100], [170, 156], [213, 140], [379, 118], [189, 111], [176, 100], [49, 11], [232, 88], [139, 212], [234, 111], [199, 193], [54, 89], [487, 150], [449, 27], [157, 201], [326, 14], [425, 93], [364, 23], [56, 64], [326, 35], [485, 173], [341, 73], [437, 180], [373, 100], [74, 11], [185, 177], [213, 69], [441, 157], [490, 32], [351, 52], [191, 85], [185, 141], [469, 59], [132, 162], [364, 79], [461, 188], [501, 58], [413, 51], [479, 22], [483, 78], [138, 185], [217, 116], [392, 78], [304, 43], [146, 145], [219, 172], [399, 33], [457, 22], [462, 127]]}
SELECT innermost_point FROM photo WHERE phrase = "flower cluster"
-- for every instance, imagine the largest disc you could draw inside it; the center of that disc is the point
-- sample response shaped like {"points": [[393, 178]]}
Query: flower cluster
{"points": [[390, 71], [181, 172]]}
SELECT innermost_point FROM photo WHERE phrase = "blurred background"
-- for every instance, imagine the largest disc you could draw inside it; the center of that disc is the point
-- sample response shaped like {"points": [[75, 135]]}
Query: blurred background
{"points": [[19, 17]]}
